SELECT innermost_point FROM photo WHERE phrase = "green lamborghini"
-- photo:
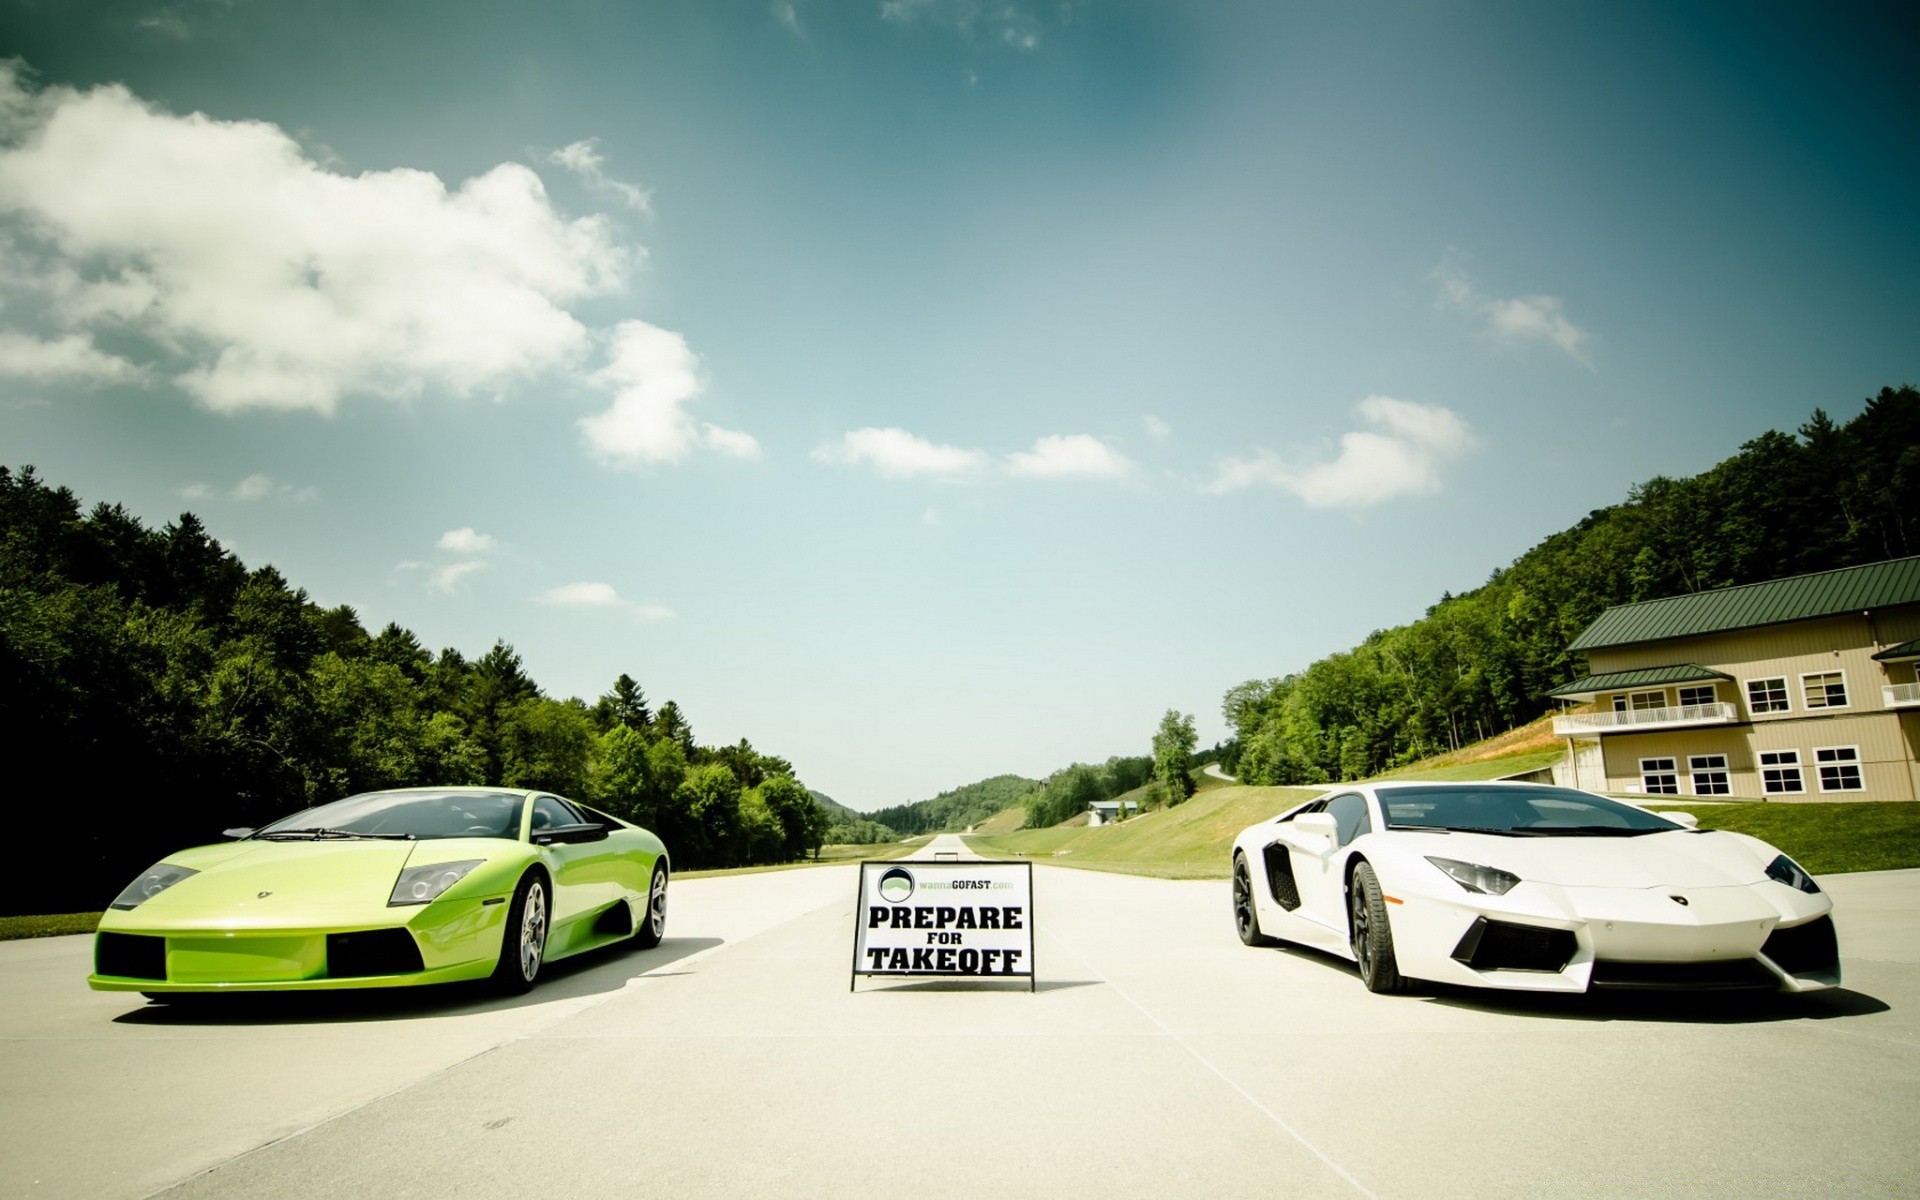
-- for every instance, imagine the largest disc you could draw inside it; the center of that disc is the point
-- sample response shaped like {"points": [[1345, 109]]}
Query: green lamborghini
{"points": [[388, 889]]}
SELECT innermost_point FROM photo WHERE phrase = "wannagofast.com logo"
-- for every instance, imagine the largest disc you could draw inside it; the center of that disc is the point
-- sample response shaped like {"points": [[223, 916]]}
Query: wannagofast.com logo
{"points": [[896, 885]]}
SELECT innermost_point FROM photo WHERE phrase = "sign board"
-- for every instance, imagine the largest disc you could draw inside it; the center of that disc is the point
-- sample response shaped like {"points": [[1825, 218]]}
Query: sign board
{"points": [[969, 919]]}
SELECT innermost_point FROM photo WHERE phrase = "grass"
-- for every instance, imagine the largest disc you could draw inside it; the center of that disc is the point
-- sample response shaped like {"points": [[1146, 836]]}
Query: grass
{"points": [[12, 928], [1188, 841], [1476, 769], [1007, 820], [1826, 839]]}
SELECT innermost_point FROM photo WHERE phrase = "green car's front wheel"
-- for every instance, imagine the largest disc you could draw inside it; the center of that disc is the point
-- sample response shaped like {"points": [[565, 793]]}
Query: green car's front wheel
{"points": [[653, 923], [523, 945]]}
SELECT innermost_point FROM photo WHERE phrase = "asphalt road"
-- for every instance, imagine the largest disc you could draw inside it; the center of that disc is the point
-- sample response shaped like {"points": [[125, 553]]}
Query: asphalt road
{"points": [[1158, 1058]]}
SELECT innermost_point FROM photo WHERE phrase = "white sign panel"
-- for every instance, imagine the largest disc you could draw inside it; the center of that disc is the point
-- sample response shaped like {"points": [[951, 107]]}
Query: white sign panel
{"points": [[945, 918]]}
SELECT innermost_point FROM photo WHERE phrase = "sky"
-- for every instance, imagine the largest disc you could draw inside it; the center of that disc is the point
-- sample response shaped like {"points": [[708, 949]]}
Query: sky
{"points": [[930, 389]]}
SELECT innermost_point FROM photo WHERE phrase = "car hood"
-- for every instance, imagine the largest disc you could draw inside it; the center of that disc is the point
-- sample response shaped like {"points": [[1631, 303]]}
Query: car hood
{"points": [[1680, 859]]}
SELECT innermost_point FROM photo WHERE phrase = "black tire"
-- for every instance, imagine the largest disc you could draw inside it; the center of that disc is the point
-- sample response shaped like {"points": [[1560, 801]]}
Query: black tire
{"points": [[652, 926], [1246, 917], [1370, 935], [523, 944]]}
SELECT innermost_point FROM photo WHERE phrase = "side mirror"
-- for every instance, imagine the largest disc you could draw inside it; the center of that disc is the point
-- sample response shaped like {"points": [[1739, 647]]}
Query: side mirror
{"points": [[1684, 820], [236, 834], [1319, 823]]}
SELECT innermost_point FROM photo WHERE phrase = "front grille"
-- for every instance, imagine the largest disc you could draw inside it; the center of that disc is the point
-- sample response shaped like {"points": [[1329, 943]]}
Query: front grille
{"points": [[130, 955], [1504, 946], [1701, 976], [1810, 949], [372, 952]]}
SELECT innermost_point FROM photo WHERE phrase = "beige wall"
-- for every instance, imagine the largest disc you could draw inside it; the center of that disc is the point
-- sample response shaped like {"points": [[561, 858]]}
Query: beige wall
{"points": [[1887, 743]]}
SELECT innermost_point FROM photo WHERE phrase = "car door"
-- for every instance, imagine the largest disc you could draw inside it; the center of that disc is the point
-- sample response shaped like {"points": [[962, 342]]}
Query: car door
{"points": [[1316, 857], [577, 877]]}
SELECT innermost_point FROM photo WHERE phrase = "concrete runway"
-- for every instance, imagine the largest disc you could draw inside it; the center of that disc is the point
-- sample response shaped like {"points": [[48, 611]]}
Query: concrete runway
{"points": [[1159, 1058]]}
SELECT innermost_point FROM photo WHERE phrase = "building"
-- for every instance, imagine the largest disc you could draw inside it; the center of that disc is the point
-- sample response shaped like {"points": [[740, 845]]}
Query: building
{"points": [[1106, 812], [1794, 689]]}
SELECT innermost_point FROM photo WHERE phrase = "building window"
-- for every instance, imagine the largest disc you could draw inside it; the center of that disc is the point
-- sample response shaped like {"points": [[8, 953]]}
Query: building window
{"points": [[1620, 703], [1658, 777], [1780, 772], [1828, 689], [1643, 701], [1767, 695], [1839, 768], [1709, 772], [1696, 697]]}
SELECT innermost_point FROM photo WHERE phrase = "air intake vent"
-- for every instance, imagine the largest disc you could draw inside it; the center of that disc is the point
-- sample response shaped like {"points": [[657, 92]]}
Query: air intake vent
{"points": [[1504, 946], [1280, 880], [372, 952], [1739, 973], [130, 956], [1809, 949]]}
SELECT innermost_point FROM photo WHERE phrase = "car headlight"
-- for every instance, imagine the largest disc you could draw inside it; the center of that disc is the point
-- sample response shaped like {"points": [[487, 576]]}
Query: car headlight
{"points": [[158, 878], [1488, 881], [423, 885], [1785, 870]]}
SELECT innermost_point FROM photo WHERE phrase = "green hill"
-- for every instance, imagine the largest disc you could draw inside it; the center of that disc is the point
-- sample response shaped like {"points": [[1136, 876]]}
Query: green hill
{"points": [[1189, 841], [952, 811]]}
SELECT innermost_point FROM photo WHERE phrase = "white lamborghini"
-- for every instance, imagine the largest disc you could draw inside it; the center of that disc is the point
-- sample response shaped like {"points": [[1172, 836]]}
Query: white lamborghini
{"points": [[1516, 885]]}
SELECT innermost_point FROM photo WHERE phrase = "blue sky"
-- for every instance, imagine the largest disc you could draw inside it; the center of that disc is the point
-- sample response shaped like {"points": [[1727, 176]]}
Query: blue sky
{"points": [[933, 388]]}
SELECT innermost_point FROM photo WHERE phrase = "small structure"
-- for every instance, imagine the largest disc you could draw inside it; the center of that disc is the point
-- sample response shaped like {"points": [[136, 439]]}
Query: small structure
{"points": [[1106, 812], [1794, 689]]}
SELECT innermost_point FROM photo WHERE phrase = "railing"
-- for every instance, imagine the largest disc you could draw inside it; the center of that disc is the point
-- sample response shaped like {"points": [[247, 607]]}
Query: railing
{"points": [[1642, 718], [1900, 695]]}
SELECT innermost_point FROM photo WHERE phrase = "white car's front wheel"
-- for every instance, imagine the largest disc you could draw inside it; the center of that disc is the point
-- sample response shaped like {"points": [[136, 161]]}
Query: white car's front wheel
{"points": [[1371, 938], [1246, 921]]}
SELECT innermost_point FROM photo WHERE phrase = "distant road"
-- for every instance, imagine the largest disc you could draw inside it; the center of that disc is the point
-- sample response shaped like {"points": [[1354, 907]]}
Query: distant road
{"points": [[1214, 770], [1159, 1057]]}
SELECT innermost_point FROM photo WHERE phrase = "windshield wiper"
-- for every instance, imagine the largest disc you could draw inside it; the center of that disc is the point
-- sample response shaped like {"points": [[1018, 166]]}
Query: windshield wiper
{"points": [[1583, 831], [1457, 829], [316, 835]]}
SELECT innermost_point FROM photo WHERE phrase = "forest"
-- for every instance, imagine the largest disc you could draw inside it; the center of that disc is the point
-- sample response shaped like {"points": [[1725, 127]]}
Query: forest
{"points": [[164, 691], [1482, 662]]}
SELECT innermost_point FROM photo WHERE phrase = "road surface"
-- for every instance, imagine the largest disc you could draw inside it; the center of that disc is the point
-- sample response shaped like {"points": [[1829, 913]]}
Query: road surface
{"points": [[1159, 1057]]}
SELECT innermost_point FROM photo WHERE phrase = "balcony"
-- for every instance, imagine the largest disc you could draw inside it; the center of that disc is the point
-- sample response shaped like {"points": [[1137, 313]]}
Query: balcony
{"points": [[1643, 720], [1900, 695]]}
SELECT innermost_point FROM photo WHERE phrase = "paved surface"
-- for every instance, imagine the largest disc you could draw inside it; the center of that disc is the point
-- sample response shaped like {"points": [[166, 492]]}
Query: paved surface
{"points": [[1160, 1057]]}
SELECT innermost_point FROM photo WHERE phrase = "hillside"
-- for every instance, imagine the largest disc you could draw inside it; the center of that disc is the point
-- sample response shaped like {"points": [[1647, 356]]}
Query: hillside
{"points": [[1835, 495], [954, 810], [1189, 841]]}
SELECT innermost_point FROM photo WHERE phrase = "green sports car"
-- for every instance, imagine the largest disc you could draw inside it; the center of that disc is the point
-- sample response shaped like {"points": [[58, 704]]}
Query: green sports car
{"points": [[388, 889]]}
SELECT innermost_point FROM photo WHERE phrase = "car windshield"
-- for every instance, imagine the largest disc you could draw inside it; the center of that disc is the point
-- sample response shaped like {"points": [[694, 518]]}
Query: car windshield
{"points": [[1517, 811], [421, 815]]}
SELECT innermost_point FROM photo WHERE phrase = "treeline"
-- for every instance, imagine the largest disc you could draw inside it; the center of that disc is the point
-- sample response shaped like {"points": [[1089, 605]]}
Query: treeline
{"points": [[846, 827], [952, 811], [1482, 662], [1068, 791], [157, 691]]}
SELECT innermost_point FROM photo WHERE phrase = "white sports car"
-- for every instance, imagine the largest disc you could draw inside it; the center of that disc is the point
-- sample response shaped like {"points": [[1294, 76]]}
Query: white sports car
{"points": [[1517, 885]]}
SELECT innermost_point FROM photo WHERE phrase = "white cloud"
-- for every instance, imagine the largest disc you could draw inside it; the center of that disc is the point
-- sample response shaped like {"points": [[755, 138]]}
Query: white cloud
{"points": [[897, 454], [654, 376], [69, 359], [1400, 456], [251, 490], [1068, 456], [584, 159], [974, 20], [449, 577], [1156, 429], [270, 281], [789, 17], [930, 517], [1520, 319], [601, 595], [467, 541]]}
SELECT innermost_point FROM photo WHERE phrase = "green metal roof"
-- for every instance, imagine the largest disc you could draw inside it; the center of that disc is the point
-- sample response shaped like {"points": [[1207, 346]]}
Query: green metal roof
{"points": [[1798, 598], [1904, 650], [1621, 681]]}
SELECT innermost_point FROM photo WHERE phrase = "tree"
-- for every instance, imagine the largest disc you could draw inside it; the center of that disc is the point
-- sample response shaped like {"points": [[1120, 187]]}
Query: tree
{"points": [[625, 705], [1173, 755]]}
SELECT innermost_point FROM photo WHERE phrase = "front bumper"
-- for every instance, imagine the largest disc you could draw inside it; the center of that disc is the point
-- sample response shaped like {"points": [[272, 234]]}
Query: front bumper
{"points": [[1541, 937], [441, 942]]}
